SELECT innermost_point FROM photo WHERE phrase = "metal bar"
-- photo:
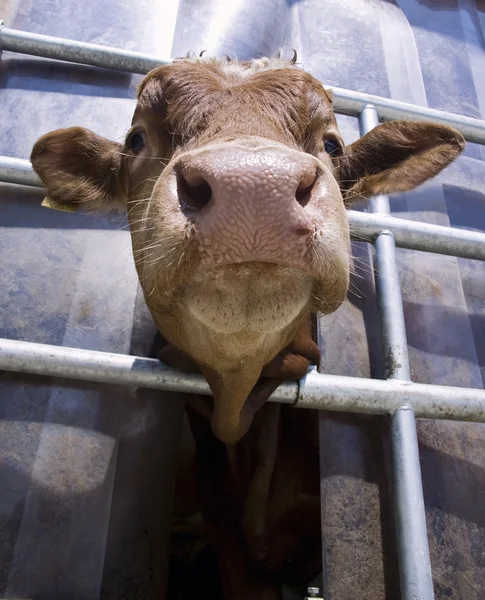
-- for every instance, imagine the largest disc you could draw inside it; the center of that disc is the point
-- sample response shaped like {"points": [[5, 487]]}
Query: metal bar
{"points": [[346, 102], [412, 538], [391, 312], [105, 367], [316, 391], [78, 52], [382, 397], [18, 170], [413, 549], [414, 235]]}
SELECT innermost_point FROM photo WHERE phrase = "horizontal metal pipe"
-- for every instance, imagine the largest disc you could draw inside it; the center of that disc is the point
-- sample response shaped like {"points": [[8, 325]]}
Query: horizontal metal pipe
{"points": [[417, 235], [375, 396], [414, 235], [78, 52], [105, 367], [323, 392], [346, 102], [18, 170]]}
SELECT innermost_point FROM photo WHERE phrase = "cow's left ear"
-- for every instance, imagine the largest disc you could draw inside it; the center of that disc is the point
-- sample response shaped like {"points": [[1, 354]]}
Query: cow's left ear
{"points": [[396, 157], [80, 168]]}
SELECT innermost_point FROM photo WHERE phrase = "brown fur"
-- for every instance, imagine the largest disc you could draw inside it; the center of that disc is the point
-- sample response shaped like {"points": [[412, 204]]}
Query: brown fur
{"points": [[259, 494], [201, 102]]}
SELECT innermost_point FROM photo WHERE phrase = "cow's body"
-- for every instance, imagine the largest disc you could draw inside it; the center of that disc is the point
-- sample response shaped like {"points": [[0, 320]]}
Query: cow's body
{"points": [[236, 180], [261, 501], [269, 508]]}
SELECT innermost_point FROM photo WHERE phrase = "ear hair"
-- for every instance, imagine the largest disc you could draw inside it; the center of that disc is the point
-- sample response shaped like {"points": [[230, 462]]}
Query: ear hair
{"points": [[397, 157], [80, 168]]}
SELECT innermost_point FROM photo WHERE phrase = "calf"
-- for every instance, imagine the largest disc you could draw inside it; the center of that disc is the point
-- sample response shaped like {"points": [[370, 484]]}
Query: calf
{"points": [[236, 181]]}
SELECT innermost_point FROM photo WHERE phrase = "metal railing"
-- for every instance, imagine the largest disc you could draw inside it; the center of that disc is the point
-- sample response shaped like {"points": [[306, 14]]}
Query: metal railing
{"points": [[346, 102], [396, 395]]}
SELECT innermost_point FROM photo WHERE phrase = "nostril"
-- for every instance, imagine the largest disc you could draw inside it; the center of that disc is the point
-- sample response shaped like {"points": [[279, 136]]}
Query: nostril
{"points": [[193, 195], [304, 191]]}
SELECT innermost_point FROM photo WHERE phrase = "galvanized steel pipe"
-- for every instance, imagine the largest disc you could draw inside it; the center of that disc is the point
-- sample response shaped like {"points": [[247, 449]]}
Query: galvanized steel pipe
{"points": [[414, 235], [105, 367], [95, 55], [391, 313], [18, 170], [346, 102], [413, 548], [411, 534], [378, 397], [315, 391]]}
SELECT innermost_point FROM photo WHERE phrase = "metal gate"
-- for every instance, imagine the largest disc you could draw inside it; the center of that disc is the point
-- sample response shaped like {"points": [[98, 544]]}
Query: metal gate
{"points": [[397, 395]]}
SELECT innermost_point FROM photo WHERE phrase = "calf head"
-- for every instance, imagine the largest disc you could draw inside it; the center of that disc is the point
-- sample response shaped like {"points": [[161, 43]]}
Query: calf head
{"points": [[236, 180]]}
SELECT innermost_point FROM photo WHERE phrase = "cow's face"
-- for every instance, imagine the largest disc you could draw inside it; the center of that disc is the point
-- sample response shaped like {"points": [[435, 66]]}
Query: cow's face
{"points": [[236, 179]]}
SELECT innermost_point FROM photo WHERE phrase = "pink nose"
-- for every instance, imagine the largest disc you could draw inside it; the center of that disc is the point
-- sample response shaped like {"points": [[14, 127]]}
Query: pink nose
{"points": [[249, 204]]}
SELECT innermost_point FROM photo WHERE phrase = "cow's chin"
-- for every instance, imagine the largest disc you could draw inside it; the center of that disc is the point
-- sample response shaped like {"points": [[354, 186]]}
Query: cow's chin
{"points": [[248, 297]]}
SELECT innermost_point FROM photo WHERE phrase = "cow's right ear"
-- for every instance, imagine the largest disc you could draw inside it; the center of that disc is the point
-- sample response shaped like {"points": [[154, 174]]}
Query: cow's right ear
{"points": [[80, 168], [396, 157]]}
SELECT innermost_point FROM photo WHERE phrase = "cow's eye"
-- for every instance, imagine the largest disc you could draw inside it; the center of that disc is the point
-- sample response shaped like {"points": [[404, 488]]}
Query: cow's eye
{"points": [[136, 141], [332, 147]]}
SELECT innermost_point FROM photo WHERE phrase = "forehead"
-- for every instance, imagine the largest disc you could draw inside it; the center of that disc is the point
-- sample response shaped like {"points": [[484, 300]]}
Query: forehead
{"points": [[191, 92]]}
